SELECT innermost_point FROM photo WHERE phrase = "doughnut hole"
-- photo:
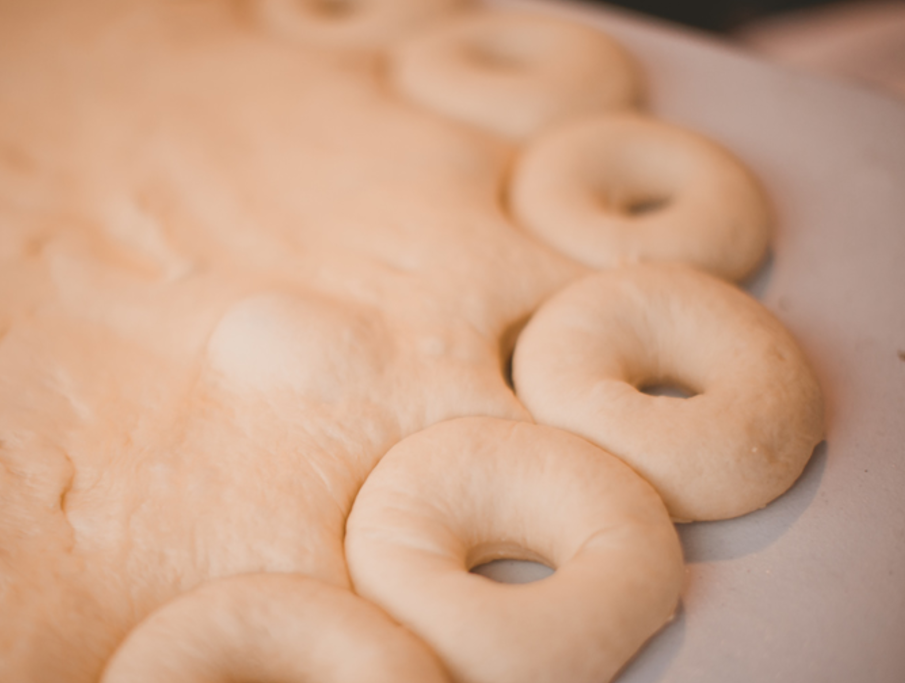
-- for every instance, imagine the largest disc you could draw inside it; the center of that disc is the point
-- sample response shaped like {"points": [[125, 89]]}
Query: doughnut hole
{"points": [[502, 551], [350, 24], [465, 493], [513, 73], [509, 570], [627, 188], [637, 178], [667, 388], [631, 203], [333, 10], [589, 358], [640, 205]]}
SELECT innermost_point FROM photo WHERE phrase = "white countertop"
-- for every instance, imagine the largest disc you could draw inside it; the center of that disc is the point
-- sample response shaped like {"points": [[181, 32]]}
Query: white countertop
{"points": [[811, 588]]}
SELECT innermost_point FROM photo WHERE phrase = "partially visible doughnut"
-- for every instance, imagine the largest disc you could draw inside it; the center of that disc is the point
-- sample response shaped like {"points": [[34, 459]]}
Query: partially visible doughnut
{"points": [[514, 73], [271, 627], [737, 443], [367, 24], [471, 490], [626, 188]]}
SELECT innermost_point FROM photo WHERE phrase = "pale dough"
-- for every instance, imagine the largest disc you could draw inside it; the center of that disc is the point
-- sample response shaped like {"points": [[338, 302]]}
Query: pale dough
{"points": [[755, 411], [181, 264], [432, 509]]}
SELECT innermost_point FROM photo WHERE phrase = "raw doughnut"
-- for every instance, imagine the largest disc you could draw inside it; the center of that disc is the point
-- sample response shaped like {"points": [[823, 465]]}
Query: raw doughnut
{"points": [[350, 23], [468, 491], [738, 442], [625, 188], [271, 627], [514, 73]]}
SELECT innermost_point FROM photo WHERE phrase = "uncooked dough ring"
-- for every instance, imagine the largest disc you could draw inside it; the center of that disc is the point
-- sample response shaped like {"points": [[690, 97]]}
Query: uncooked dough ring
{"points": [[271, 627], [468, 491], [738, 442], [368, 24], [515, 73], [626, 188]]}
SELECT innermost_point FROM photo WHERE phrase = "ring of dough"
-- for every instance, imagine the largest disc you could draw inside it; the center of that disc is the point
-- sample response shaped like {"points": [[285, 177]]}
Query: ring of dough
{"points": [[471, 490], [755, 413], [514, 73], [627, 188], [271, 627], [366, 24]]}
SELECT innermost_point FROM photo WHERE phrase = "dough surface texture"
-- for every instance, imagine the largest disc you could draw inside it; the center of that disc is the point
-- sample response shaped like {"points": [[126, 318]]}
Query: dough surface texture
{"points": [[205, 346], [238, 266], [431, 510]]}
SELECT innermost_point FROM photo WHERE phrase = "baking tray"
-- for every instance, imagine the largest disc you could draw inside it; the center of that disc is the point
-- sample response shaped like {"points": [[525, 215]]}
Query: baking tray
{"points": [[812, 587]]}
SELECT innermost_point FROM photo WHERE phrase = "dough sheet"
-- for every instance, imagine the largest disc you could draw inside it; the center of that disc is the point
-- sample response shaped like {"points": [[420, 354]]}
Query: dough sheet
{"points": [[234, 271]]}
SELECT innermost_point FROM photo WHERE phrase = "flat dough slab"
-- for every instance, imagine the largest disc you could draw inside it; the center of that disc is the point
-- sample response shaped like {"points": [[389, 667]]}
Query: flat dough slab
{"points": [[181, 265]]}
